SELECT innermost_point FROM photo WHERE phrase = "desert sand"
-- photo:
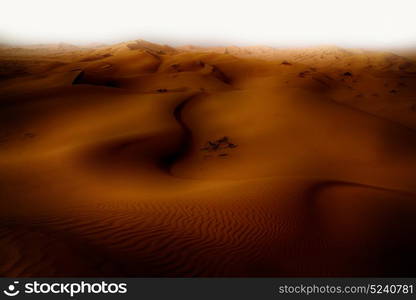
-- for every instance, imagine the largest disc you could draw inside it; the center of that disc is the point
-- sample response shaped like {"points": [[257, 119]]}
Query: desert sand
{"points": [[139, 159]]}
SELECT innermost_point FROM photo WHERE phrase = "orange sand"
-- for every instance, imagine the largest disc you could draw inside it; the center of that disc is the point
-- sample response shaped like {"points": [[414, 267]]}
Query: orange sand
{"points": [[144, 160]]}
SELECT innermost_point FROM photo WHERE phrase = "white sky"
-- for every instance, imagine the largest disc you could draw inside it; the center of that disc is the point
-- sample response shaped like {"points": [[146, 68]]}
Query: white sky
{"points": [[364, 23]]}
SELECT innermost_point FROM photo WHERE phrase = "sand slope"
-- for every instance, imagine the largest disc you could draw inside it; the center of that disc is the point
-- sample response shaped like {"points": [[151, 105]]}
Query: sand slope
{"points": [[139, 159]]}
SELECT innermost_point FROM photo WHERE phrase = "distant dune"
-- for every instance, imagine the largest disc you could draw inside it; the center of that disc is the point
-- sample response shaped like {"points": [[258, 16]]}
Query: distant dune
{"points": [[138, 159]]}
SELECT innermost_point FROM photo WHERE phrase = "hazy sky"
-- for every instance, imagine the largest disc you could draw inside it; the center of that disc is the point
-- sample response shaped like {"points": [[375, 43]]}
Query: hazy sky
{"points": [[366, 23]]}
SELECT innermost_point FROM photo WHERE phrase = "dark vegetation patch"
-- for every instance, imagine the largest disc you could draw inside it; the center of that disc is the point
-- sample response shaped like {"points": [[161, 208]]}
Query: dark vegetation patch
{"points": [[304, 74], [220, 144]]}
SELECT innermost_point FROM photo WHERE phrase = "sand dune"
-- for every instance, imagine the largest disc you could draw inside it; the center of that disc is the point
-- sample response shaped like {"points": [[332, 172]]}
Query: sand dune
{"points": [[139, 159]]}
